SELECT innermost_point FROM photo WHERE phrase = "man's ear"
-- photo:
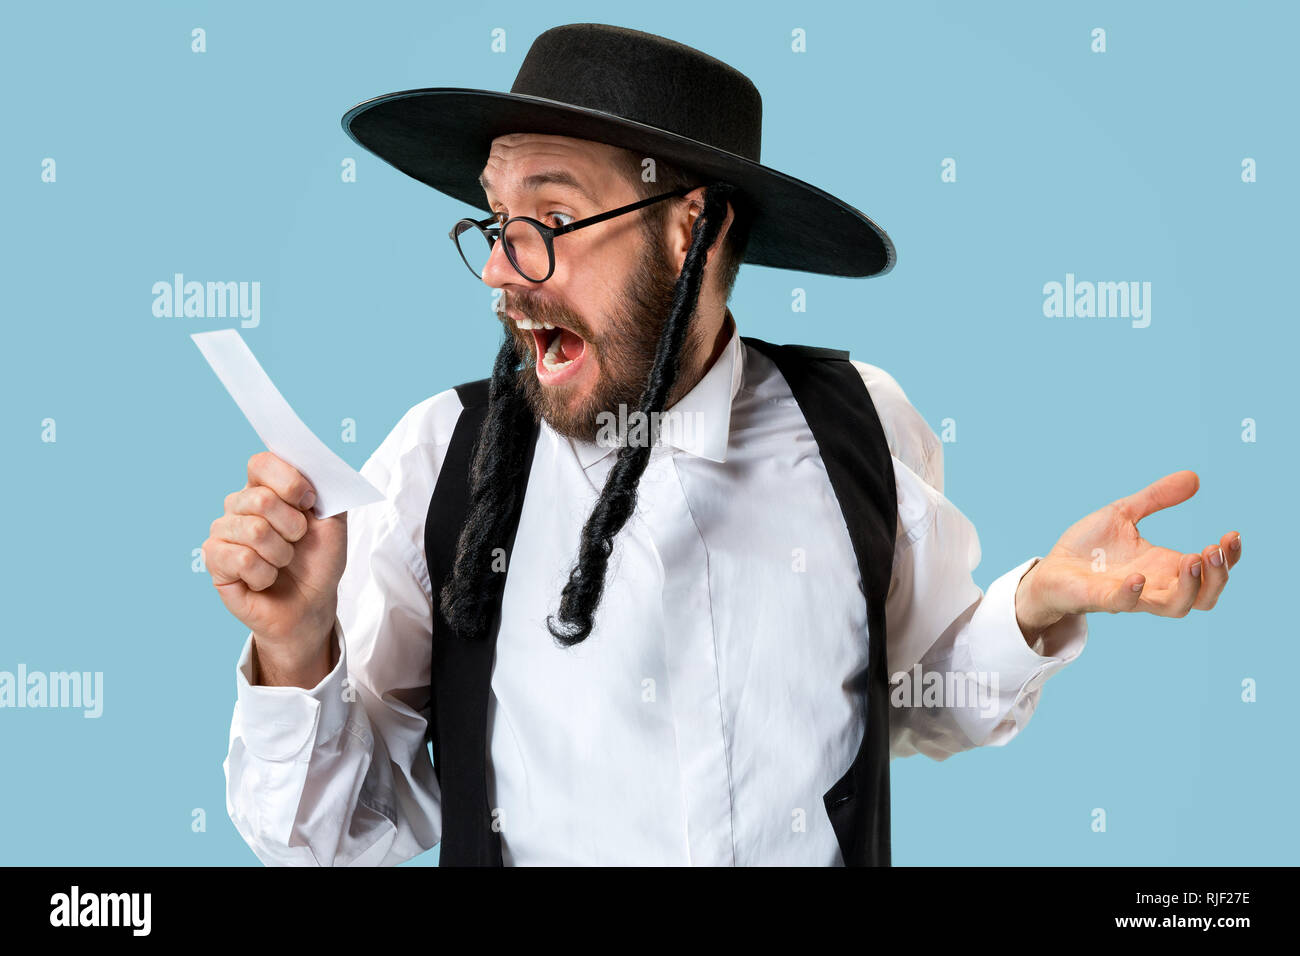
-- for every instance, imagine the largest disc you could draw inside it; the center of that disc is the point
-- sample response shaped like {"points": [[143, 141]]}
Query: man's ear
{"points": [[679, 232]]}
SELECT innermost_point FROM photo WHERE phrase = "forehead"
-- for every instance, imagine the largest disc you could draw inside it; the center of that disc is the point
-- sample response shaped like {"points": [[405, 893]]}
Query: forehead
{"points": [[517, 160]]}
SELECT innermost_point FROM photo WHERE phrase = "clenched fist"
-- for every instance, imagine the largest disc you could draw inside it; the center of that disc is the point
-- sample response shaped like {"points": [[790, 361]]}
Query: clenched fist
{"points": [[277, 568]]}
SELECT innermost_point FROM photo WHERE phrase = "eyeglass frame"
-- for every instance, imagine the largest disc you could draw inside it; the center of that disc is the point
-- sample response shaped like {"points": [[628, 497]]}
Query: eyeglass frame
{"points": [[548, 233]]}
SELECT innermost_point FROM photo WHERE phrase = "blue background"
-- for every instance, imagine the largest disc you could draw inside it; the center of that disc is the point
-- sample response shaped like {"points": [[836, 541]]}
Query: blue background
{"points": [[225, 165]]}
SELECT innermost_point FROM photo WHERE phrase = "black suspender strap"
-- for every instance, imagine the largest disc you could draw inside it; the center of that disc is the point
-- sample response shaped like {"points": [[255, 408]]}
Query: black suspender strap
{"points": [[461, 670]]}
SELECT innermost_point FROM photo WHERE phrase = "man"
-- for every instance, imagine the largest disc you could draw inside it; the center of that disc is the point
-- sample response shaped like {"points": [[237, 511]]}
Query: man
{"points": [[712, 667]]}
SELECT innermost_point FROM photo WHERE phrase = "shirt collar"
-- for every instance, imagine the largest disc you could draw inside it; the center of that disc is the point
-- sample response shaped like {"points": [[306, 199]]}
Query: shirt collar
{"points": [[702, 423]]}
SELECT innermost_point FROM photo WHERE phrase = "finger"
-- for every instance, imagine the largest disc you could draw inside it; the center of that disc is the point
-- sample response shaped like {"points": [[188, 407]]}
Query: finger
{"points": [[274, 472], [260, 500], [1190, 570], [230, 563], [1168, 491], [1231, 545], [1125, 595], [1214, 575], [254, 531]]}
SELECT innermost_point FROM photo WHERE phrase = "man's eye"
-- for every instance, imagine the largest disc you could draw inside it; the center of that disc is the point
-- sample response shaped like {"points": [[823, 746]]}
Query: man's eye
{"points": [[501, 217]]}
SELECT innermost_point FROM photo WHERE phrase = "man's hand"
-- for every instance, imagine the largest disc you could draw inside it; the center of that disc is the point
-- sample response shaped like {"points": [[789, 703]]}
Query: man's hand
{"points": [[277, 567], [1102, 563]]}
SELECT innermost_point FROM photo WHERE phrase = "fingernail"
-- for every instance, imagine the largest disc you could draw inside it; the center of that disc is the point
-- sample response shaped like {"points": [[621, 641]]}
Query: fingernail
{"points": [[308, 499], [1138, 586], [1216, 558], [1236, 543], [1196, 569]]}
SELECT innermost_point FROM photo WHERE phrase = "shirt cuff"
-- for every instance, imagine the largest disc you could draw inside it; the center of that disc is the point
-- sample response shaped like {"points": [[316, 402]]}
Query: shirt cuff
{"points": [[287, 723], [1003, 649]]}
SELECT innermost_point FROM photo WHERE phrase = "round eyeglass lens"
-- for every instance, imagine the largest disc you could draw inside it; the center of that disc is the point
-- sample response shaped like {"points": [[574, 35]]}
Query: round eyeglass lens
{"points": [[527, 248], [474, 246]]}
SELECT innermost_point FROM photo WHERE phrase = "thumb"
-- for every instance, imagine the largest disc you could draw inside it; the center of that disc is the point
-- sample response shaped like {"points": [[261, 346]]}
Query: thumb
{"points": [[1125, 595]]}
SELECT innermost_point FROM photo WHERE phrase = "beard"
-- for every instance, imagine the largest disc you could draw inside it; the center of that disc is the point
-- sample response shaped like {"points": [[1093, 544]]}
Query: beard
{"points": [[624, 354]]}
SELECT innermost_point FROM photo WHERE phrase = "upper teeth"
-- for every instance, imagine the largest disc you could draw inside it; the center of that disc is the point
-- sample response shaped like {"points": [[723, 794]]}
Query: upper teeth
{"points": [[533, 324]]}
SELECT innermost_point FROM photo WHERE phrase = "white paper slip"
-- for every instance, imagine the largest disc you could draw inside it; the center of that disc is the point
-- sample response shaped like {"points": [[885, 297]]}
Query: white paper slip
{"points": [[338, 487]]}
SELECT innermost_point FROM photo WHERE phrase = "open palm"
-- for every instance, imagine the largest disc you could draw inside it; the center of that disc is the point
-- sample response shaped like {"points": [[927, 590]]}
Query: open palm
{"points": [[1102, 562]]}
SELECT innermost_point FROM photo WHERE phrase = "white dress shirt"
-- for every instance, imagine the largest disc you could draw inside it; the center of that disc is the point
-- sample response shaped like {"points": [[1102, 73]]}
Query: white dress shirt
{"points": [[709, 710]]}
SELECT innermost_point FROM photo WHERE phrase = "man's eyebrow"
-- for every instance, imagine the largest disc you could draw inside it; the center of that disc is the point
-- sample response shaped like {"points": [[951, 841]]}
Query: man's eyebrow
{"points": [[548, 177]]}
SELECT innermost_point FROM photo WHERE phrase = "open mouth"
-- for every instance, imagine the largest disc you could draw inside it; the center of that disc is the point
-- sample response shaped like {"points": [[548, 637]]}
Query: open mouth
{"points": [[560, 351]]}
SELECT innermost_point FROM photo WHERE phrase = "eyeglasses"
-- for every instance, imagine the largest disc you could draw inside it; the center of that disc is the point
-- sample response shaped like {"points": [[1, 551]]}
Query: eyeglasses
{"points": [[529, 243]]}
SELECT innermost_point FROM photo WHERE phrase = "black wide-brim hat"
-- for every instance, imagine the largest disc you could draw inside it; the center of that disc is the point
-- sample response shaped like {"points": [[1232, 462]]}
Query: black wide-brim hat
{"points": [[645, 93]]}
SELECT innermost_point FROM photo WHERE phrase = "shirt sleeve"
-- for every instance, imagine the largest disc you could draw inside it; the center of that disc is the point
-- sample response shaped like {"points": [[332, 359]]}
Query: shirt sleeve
{"points": [[340, 775], [962, 674]]}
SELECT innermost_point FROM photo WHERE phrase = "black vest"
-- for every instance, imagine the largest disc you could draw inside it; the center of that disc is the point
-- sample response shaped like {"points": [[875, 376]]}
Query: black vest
{"points": [[843, 421]]}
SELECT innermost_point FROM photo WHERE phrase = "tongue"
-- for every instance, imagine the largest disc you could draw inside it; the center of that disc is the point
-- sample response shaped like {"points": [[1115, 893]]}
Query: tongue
{"points": [[571, 345]]}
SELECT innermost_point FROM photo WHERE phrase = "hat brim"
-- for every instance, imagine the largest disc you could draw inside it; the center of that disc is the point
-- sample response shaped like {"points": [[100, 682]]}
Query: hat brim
{"points": [[442, 137]]}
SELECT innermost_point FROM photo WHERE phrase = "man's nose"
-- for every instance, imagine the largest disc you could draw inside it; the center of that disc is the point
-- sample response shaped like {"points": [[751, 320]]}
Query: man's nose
{"points": [[498, 271]]}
